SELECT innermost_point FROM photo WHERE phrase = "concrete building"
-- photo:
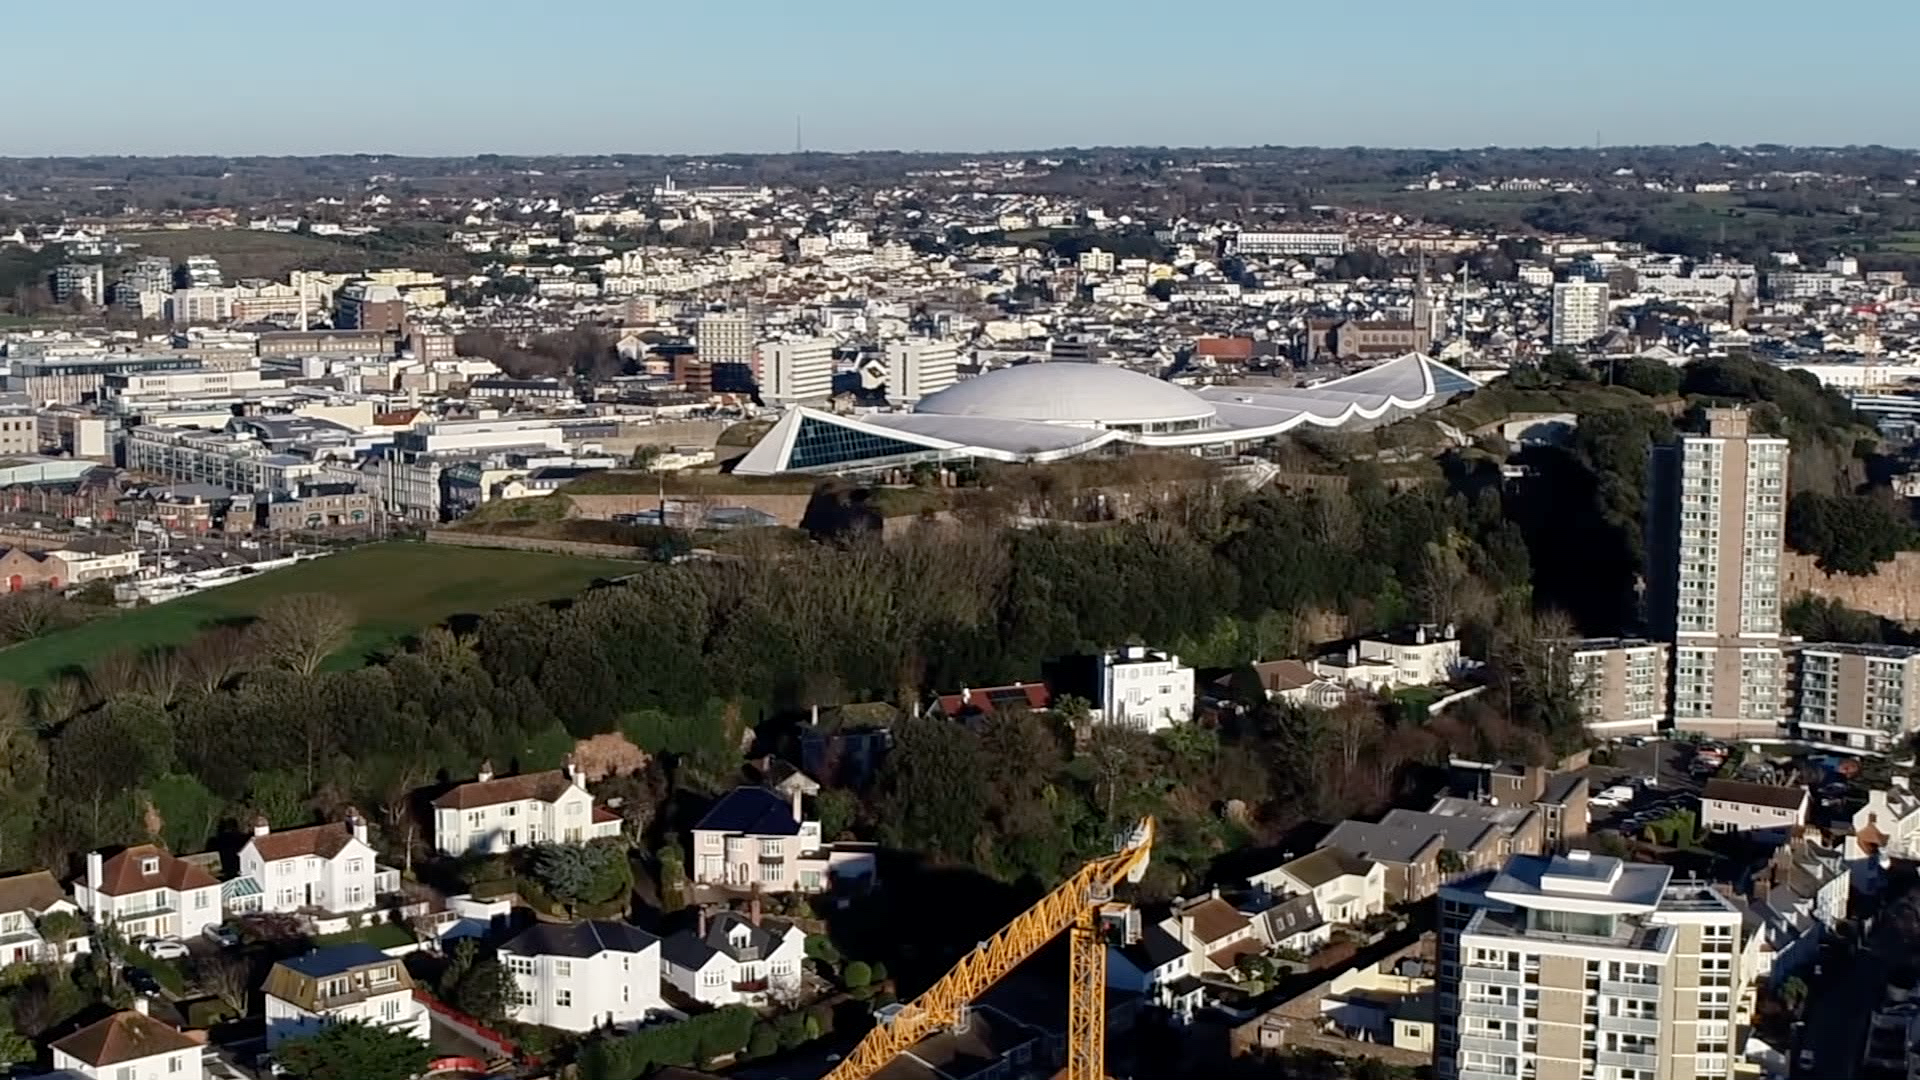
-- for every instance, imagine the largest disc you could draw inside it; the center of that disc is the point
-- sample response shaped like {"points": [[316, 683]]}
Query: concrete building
{"points": [[1718, 523], [1863, 697], [70, 380], [86, 282], [725, 339], [199, 272], [1621, 683], [1579, 312], [149, 892], [200, 305], [1289, 242], [920, 366], [1584, 966], [796, 371], [363, 305], [1143, 689]]}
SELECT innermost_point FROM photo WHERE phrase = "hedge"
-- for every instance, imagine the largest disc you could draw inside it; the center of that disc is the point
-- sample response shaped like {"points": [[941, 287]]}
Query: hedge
{"points": [[688, 1043]]}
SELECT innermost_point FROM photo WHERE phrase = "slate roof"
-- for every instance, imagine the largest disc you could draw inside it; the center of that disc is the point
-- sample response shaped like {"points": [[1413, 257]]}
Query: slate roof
{"points": [[1295, 915], [689, 950], [751, 810], [1318, 867], [336, 960], [579, 940], [1751, 794]]}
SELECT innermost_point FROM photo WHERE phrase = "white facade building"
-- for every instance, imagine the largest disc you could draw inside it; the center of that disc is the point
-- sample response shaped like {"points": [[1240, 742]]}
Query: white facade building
{"points": [[920, 366], [586, 975], [754, 840], [149, 893], [796, 371], [498, 814], [732, 960], [328, 869], [1144, 689], [1579, 312], [129, 1045], [345, 982], [725, 339]]}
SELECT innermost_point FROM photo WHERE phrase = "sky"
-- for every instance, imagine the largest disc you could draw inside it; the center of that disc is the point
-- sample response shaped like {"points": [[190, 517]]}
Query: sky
{"points": [[708, 76]]}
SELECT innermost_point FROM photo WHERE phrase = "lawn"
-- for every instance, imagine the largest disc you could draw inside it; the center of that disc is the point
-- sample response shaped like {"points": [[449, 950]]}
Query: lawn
{"points": [[395, 589], [381, 936]]}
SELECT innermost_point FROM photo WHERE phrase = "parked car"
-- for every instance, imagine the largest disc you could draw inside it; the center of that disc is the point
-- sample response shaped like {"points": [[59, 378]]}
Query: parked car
{"points": [[164, 948], [143, 981], [222, 936]]}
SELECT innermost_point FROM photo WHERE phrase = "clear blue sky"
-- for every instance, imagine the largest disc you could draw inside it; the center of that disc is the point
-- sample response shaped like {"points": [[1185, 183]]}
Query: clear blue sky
{"points": [[638, 76]]}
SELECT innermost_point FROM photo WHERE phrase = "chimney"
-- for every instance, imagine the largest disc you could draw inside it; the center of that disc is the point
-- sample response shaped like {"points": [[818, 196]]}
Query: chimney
{"points": [[94, 879], [567, 766], [703, 922], [966, 696], [357, 825], [1186, 930], [486, 771], [795, 797], [753, 908], [141, 1005], [260, 825]]}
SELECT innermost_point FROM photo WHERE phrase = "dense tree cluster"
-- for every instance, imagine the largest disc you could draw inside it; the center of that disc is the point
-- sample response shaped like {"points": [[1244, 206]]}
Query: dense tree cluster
{"points": [[1850, 534]]}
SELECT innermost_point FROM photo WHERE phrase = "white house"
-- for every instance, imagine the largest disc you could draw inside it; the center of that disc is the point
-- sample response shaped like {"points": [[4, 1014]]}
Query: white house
{"points": [[1294, 924], [1886, 828], [754, 839], [731, 960], [1419, 656], [345, 982], [129, 1045], [324, 869], [495, 814], [1145, 689], [25, 899], [149, 893], [1347, 889], [586, 975], [1204, 936]]}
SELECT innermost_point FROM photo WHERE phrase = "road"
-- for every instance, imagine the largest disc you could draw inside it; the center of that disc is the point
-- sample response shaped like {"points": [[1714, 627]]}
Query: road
{"points": [[1841, 1001], [1671, 757]]}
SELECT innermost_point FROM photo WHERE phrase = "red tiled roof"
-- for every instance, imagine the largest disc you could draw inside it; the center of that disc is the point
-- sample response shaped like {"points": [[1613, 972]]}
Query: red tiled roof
{"points": [[325, 841], [545, 786], [120, 874], [1031, 696], [124, 1036]]}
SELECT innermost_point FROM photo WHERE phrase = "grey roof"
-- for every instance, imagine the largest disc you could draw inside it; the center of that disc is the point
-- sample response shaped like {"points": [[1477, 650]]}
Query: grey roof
{"points": [[1295, 915], [1155, 948], [580, 939], [1402, 834], [337, 960], [1784, 797], [752, 810], [1589, 877], [1561, 788], [689, 950]]}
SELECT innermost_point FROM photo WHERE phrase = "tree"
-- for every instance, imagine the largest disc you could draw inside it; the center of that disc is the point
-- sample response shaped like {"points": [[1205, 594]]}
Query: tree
{"points": [[763, 1043], [107, 753], [1793, 993], [354, 1050], [300, 630], [590, 873], [857, 975], [230, 978], [821, 949], [487, 991], [15, 1048], [60, 927], [836, 809]]}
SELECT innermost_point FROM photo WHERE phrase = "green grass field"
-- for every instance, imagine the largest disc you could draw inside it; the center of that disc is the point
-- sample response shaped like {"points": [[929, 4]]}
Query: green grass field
{"points": [[395, 590]]}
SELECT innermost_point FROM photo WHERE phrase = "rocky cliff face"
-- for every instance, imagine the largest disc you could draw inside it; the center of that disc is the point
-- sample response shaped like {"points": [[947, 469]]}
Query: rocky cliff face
{"points": [[1891, 592]]}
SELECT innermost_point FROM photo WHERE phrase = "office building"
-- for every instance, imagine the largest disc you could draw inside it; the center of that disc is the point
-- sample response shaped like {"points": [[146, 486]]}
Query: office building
{"points": [[200, 305], [796, 371], [1718, 519], [69, 380], [1620, 683], [85, 282], [1579, 312], [1585, 967], [363, 305], [199, 272], [149, 273], [1863, 697], [920, 367], [725, 339], [1291, 242]]}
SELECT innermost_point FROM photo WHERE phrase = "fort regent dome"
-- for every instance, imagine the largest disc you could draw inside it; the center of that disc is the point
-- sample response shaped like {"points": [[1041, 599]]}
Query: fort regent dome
{"points": [[1050, 411]]}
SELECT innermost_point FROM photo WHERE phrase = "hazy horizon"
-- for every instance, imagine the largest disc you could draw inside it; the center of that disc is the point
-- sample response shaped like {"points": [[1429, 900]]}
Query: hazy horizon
{"points": [[437, 79]]}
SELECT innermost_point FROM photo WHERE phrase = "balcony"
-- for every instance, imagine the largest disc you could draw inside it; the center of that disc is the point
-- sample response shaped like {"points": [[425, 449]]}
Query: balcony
{"points": [[1628, 1025], [1499, 976], [1623, 1060], [1489, 1011], [1488, 1045], [750, 986], [1648, 991]]}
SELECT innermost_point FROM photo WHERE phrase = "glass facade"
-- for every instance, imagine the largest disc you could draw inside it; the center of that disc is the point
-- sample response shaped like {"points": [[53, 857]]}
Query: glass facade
{"points": [[819, 443]]}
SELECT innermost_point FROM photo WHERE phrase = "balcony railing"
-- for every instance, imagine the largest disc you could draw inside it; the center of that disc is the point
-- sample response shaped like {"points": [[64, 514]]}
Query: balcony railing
{"points": [[750, 986]]}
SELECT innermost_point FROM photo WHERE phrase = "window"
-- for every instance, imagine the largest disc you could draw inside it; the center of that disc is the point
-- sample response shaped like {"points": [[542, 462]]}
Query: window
{"points": [[712, 978], [563, 969], [563, 998], [174, 1064], [769, 872], [356, 866], [520, 965], [390, 1009], [150, 865], [200, 900]]}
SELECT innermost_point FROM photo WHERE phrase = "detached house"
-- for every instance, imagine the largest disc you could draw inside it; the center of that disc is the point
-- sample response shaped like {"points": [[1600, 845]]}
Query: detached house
{"points": [[321, 869], [1204, 937], [754, 839], [149, 892], [1345, 888], [25, 899], [129, 1045], [346, 982], [735, 960], [584, 976], [496, 814]]}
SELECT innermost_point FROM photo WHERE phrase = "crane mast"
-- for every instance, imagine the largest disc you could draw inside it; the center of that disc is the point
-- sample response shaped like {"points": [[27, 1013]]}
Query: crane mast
{"points": [[1074, 908]]}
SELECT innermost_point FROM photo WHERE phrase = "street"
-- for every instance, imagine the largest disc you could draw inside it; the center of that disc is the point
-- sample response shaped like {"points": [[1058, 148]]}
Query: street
{"points": [[1841, 1001]]}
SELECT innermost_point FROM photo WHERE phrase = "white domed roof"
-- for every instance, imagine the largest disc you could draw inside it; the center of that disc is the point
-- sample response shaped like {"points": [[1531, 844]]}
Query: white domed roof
{"points": [[1068, 393]]}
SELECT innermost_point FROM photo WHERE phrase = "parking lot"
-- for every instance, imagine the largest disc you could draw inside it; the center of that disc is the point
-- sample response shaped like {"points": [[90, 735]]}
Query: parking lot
{"points": [[1657, 771]]}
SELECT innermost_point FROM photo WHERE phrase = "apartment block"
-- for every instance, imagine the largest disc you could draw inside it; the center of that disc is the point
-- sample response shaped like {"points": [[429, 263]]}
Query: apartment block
{"points": [[1585, 967], [1863, 697], [796, 371], [920, 367], [1579, 312], [725, 339], [1621, 683], [1724, 515]]}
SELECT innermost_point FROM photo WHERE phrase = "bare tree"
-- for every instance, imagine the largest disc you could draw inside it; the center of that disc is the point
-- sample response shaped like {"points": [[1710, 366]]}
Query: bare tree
{"points": [[31, 613], [161, 674], [215, 657], [299, 631], [230, 978], [1443, 583]]}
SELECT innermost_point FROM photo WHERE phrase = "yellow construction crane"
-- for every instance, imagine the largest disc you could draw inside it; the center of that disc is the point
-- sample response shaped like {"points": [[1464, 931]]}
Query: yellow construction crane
{"points": [[1075, 907]]}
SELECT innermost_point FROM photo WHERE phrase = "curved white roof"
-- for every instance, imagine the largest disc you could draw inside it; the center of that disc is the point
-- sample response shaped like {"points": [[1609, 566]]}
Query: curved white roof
{"points": [[1068, 393]]}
